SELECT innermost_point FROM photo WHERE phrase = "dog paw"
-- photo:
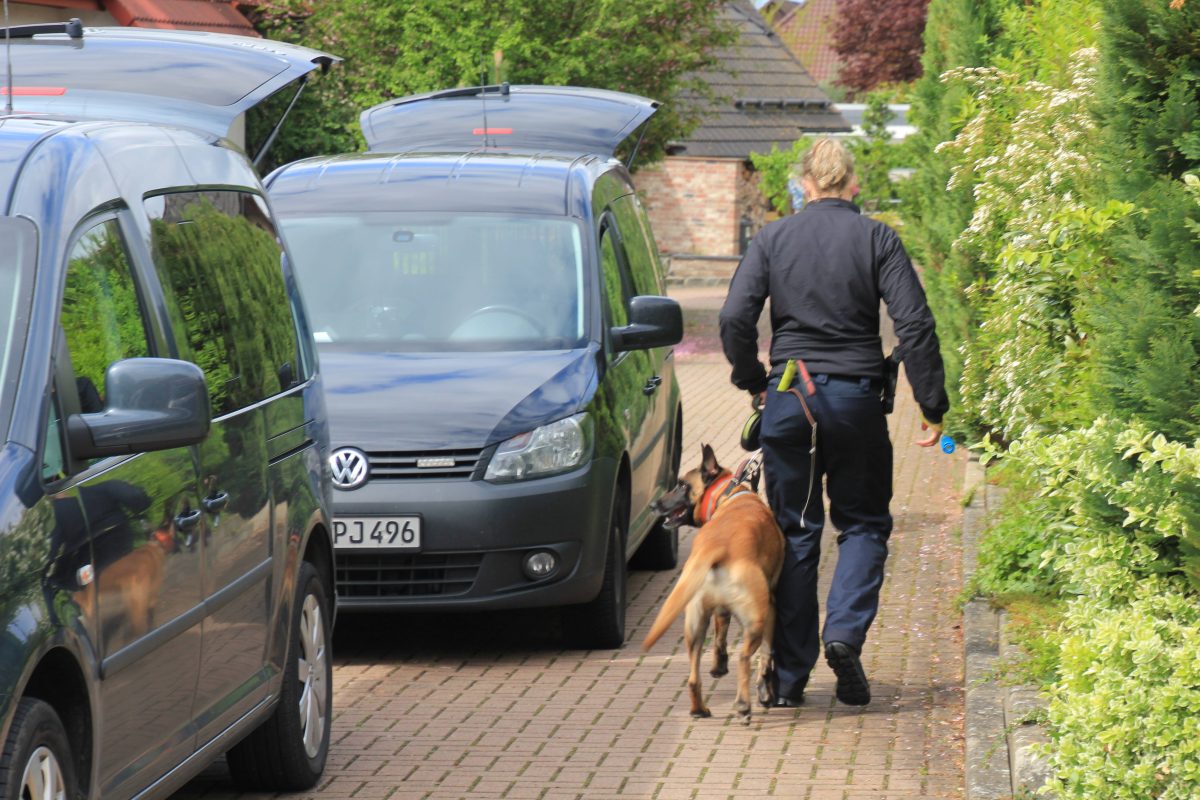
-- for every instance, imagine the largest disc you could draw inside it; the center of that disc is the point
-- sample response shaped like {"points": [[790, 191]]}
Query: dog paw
{"points": [[702, 713], [719, 670]]}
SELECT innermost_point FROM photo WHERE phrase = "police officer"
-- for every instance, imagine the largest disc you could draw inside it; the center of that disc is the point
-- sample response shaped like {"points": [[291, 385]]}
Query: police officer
{"points": [[825, 270]]}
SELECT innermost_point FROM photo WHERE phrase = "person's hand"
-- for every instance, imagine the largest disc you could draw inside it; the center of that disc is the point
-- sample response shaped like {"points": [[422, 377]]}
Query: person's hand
{"points": [[935, 429], [758, 400]]}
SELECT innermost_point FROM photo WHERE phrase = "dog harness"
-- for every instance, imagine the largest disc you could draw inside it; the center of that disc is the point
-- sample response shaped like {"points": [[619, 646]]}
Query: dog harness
{"points": [[723, 488]]}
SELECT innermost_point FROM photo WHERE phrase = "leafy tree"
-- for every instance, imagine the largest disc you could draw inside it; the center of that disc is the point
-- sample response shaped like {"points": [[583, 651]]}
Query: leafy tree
{"points": [[393, 48], [1148, 336], [959, 33], [776, 169], [879, 42], [874, 155]]}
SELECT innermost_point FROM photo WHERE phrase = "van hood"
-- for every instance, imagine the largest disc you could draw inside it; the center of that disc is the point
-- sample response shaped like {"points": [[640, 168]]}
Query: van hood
{"points": [[443, 401]]}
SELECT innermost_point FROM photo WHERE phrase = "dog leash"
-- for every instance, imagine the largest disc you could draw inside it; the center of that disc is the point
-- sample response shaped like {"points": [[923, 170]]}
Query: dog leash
{"points": [[748, 470], [785, 385]]}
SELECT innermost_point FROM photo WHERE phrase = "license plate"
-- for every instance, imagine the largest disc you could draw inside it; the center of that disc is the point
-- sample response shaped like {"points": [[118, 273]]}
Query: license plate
{"points": [[369, 533]]}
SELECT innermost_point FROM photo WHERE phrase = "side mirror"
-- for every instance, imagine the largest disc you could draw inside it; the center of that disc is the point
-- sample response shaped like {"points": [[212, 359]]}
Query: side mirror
{"points": [[151, 404], [653, 322]]}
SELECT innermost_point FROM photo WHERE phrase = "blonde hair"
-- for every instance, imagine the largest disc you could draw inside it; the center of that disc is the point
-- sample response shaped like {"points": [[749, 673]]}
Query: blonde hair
{"points": [[829, 165]]}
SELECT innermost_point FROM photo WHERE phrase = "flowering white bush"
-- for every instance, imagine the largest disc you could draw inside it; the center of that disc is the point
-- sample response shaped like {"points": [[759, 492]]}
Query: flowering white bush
{"points": [[1028, 149]]}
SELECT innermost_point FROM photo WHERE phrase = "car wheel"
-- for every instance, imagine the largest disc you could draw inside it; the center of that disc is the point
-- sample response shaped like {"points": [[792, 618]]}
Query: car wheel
{"points": [[600, 624], [287, 752], [36, 763], [660, 549]]}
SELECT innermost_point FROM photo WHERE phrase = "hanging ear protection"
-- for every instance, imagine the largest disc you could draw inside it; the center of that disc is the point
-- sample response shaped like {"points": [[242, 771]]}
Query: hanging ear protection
{"points": [[750, 431]]}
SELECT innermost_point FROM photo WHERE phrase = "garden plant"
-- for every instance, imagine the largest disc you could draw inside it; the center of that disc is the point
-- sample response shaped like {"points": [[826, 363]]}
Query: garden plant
{"points": [[1056, 211]]}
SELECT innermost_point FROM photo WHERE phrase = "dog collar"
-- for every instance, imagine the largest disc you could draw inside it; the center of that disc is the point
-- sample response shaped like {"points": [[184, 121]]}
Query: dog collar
{"points": [[711, 498]]}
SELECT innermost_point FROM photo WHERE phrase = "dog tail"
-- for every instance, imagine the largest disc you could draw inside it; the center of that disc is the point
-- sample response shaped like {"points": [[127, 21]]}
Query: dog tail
{"points": [[694, 573]]}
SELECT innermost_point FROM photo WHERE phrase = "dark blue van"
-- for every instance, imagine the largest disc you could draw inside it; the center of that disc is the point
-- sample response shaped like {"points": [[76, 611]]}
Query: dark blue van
{"points": [[166, 561], [486, 296]]}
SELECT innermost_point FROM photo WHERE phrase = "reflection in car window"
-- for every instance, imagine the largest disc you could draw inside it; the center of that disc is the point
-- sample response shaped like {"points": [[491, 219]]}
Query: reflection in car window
{"points": [[643, 260], [615, 293], [100, 313], [16, 280], [437, 282], [52, 451], [221, 266]]}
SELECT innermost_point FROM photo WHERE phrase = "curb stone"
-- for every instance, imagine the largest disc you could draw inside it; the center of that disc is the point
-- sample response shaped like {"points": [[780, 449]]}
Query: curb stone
{"points": [[1002, 734], [1023, 707]]}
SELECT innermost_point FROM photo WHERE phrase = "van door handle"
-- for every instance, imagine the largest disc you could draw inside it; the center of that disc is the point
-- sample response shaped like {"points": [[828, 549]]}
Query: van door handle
{"points": [[186, 520], [215, 502], [652, 385]]}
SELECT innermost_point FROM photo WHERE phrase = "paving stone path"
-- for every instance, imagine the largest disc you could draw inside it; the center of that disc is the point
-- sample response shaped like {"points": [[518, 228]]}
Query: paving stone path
{"points": [[490, 705]]}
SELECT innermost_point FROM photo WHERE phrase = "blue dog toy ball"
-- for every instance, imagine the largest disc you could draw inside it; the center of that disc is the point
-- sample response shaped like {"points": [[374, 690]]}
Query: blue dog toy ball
{"points": [[947, 444]]}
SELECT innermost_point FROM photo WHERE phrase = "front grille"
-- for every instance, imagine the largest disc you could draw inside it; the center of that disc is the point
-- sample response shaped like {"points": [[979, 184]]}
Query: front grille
{"points": [[389, 465], [385, 575]]}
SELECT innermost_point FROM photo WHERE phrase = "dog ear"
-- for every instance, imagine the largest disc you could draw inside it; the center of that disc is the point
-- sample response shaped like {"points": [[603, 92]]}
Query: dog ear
{"points": [[709, 467]]}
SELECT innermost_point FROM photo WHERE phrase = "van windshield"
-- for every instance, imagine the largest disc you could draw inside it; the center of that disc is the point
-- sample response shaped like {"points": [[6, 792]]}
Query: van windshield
{"points": [[440, 282], [17, 251]]}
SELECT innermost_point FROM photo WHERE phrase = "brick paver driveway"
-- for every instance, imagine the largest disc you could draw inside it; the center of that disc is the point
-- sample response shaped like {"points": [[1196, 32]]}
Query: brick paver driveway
{"points": [[490, 706]]}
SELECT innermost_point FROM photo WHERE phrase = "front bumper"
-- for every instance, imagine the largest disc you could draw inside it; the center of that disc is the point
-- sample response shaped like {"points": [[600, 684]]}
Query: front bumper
{"points": [[474, 538]]}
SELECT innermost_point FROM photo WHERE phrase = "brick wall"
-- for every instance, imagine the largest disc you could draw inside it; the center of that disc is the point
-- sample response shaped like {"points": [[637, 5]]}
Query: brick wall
{"points": [[692, 204], [697, 207]]}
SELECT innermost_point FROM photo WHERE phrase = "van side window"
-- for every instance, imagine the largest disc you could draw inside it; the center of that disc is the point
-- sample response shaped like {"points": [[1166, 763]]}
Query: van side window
{"points": [[53, 463], [101, 316], [220, 262], [644, 265], [616, 278]]}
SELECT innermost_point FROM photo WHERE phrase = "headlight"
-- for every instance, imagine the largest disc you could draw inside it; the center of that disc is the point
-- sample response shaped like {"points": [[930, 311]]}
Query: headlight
{"points": [[558, 447]]}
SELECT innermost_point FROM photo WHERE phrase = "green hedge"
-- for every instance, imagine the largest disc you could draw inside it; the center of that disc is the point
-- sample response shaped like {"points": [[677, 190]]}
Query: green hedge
{"points": [[1065, 259]]}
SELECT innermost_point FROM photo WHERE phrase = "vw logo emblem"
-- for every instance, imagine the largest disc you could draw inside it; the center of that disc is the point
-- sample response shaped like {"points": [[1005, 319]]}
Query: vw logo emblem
{"points": [[349, 468]]}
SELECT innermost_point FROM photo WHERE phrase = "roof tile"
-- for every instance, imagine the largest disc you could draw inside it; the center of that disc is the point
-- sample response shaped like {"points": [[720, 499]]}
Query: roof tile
{"points": [[217, 16], [808, 32], [758, 68]]}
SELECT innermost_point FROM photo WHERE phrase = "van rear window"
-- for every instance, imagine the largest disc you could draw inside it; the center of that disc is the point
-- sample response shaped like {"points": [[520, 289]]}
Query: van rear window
{"points": [[440, 282]]}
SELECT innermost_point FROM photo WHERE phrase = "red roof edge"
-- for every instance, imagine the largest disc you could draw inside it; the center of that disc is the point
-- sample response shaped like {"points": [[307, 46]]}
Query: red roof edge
{"points": [[217, 16]]}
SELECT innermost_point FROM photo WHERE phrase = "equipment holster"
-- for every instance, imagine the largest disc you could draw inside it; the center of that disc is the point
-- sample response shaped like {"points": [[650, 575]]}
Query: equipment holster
{"points": [[891, 374]]}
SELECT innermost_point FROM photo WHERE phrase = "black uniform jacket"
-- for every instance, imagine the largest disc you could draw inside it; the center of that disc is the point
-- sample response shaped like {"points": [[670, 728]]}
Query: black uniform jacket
{"points": [[825, 270]]}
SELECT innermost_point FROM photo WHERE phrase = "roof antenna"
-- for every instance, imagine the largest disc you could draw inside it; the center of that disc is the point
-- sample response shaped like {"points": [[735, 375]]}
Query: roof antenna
{"points": [[8, 104]]}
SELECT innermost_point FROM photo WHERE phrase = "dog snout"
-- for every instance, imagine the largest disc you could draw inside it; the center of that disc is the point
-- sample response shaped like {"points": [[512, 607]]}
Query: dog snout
{"points": [[677, 498]]}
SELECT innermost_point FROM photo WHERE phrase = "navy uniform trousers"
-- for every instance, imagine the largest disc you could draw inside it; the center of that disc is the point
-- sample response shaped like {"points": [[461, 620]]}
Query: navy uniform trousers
{"points": [[854, 455]]}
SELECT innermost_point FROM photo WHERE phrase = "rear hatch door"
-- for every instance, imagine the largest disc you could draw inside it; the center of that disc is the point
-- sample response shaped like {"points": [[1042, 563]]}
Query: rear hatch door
{"points": [[560, 118], [187, 78]]}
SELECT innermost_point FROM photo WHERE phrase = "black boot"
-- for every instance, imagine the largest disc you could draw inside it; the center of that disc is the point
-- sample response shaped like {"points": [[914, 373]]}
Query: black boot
{"points": [[852, 686]]}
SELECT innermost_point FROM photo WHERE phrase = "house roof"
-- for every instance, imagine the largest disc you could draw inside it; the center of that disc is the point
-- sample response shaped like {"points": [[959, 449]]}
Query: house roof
{"points": [[764, 96], [808, 32], [217, 16]]}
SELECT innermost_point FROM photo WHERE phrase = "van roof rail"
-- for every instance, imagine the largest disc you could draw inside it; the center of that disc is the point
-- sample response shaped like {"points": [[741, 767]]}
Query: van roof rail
{"points": [[73, 28]]}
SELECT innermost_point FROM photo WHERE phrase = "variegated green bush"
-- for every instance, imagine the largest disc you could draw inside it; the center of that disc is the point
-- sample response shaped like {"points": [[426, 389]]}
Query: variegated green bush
{"points": [[1082, 363]]}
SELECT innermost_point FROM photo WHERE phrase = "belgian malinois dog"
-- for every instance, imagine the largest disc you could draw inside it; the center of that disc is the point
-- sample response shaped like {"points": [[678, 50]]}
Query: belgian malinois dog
{"points": [[136, 578], [735, 562]]}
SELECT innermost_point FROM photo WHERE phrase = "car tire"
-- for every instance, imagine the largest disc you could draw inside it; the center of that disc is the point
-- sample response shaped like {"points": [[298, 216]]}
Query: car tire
{"points": [[287, 752], [36, 761], [660, 549], [600, 624]]}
